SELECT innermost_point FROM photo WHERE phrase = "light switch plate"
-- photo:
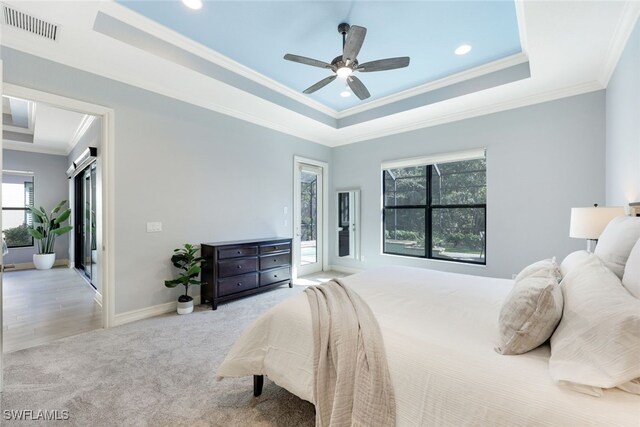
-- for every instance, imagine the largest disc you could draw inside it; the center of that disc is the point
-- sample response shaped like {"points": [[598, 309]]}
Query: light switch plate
{"points": [[154, 227]]}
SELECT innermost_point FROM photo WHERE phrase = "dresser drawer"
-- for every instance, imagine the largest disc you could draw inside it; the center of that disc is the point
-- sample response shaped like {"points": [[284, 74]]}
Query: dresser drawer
{"points": [[276, 275], [272, 261], [275, 247], [234, 284], [234, 267], [242, 251]]}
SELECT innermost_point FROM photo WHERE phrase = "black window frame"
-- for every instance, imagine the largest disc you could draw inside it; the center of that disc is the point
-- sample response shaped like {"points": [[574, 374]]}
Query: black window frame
{"points": [[25, 209], [428, 211]]}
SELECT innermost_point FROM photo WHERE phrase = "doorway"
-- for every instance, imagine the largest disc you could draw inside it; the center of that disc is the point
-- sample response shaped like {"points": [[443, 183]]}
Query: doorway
{"points": [[104, 208], [310, 205]]}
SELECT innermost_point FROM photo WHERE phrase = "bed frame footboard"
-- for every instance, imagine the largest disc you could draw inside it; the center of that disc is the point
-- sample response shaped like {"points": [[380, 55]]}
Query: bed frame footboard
{"points": [[258, 382]]}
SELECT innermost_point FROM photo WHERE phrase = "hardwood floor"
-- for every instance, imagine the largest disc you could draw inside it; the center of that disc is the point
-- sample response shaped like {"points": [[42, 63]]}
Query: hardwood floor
{"points": [[42, 306]]}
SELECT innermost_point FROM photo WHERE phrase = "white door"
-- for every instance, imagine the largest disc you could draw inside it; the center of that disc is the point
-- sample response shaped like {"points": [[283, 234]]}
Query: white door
{"points": [[309, 221]]}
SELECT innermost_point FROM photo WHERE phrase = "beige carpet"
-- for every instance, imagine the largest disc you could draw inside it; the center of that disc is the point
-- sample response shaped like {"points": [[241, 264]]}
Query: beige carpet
{"points": [[155, 372]]}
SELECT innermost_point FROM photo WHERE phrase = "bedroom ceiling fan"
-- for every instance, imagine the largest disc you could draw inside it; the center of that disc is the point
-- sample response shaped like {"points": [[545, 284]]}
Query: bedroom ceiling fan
{"points": [[346, 64]]}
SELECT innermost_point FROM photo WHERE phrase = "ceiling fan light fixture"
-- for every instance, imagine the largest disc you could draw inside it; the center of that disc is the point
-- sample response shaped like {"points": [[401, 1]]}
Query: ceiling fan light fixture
{"points": [[193, 4], [344, 72], [463, 49]]}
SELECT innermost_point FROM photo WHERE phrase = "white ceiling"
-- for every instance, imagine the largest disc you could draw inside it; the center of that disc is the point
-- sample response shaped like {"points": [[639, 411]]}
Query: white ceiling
{"points": [[572, 48], [55, 130]]}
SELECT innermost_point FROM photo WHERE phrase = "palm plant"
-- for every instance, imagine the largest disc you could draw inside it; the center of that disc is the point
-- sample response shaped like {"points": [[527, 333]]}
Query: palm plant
{"points": [[186, 260], [46, 228]]}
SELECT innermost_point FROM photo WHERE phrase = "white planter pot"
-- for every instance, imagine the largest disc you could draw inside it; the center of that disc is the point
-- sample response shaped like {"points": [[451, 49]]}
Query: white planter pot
{"points": [[44, 261], [185, 307]]}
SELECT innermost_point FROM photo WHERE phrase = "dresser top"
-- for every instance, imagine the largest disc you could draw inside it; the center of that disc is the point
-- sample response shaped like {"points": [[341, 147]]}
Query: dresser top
{"points": [[242, 242]]}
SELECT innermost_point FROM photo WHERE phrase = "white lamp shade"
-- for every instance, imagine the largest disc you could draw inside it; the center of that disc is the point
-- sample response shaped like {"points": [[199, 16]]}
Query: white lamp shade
{"points": [[589, 223]]}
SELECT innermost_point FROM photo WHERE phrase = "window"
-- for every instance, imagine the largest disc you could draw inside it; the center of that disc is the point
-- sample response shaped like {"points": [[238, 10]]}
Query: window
{"points": [[17, 198], [436, 207]]}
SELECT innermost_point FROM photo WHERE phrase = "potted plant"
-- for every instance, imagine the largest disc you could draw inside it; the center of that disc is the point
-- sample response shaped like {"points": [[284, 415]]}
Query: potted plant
{"points": [[45, 229], [190, 265]]}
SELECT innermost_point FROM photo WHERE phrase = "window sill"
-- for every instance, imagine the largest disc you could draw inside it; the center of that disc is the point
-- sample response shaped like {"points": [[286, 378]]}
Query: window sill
{"points": [[435, 260]]}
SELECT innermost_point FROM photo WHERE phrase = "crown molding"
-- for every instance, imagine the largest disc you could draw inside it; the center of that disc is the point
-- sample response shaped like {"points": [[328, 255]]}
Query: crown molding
{"points": [[155, 29], [31, 148], [147, 25], [136, 80], [481, 70], [84, 125], [480, 111], [626, 25]]}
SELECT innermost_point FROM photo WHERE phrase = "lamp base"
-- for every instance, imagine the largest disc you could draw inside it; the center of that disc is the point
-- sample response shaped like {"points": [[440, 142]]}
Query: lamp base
{"points": [[591, 245]]}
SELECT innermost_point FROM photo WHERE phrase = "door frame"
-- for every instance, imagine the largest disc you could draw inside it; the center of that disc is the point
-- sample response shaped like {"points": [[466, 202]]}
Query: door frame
{"points": [[105, 223], [297, 160]]}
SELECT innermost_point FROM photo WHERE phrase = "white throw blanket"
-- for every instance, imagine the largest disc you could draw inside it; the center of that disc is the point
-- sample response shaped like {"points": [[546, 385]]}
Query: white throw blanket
{"points": [[352, 386]]}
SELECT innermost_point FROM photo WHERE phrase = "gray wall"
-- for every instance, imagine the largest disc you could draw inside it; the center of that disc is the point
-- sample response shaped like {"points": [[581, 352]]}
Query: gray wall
{"points": [[49, 187], [541, 161], [623, 127], [204, 175]]}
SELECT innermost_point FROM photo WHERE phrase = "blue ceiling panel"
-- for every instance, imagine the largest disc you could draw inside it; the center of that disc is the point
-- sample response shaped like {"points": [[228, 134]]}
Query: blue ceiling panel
{"points": [[257, 34]]}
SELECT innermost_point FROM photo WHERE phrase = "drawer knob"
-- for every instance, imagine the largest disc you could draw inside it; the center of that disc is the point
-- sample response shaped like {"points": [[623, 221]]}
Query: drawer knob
{"points": [[275, 260], [275, 275], [239, 266], [239, 252], [239, 284]]}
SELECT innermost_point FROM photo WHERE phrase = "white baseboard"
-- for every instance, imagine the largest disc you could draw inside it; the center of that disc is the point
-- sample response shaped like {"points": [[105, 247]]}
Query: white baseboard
{"points": [[64, 262], [145, 313], [98, 298], [343, 269]]}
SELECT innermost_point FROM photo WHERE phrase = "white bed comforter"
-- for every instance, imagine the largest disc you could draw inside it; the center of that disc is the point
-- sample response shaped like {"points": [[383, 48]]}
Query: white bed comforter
{"points": [[439, 331]]}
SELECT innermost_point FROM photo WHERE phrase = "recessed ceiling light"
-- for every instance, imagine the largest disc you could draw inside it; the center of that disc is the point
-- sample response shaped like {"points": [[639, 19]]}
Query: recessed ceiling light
{"points": [[463, 49], [345, 93], [193, 4]]}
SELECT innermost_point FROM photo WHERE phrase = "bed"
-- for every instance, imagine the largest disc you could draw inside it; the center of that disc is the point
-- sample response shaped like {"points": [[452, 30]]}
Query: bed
{"points": [[439, 331]]}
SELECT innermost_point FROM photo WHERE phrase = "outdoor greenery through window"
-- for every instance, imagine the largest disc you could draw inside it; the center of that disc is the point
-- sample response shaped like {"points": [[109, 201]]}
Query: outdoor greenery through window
{"points": [[436, 211], [17, 198]]}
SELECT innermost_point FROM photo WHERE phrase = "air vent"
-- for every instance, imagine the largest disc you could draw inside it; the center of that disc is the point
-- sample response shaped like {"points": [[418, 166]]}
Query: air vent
{"points": [[29, 23]]}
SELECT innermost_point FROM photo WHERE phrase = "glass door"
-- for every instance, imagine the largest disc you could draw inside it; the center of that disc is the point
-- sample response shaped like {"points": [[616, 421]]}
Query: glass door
{"points": [[86, 221], [309, 224]]}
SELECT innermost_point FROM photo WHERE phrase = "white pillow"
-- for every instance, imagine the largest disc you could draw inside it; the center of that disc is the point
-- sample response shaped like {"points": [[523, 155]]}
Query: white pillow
{"points": [[532, 310], [573, 260], [616, 241], [597, 343], [540, 269], [631, 278]]}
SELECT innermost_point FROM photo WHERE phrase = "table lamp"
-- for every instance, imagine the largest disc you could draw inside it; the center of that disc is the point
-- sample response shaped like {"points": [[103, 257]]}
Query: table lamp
{"points": [[589, 223]]}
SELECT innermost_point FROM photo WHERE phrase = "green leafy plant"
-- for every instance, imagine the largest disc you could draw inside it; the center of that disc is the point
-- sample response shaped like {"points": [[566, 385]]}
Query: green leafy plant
{"points": [[46, 228], [190, 265]]}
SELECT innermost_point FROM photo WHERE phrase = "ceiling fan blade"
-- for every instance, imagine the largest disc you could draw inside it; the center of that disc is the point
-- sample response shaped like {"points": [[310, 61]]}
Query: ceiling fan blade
{"points": [[358, 87], [307, 61], [355, 38], [384, 64], [322, 83]]}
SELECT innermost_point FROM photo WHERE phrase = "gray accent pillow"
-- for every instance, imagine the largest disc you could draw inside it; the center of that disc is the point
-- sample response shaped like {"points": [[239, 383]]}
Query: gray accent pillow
{"points": [[531, 311]]}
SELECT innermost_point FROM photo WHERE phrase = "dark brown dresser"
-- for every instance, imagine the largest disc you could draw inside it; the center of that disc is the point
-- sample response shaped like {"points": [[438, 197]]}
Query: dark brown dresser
{"points": [[236, 269]]}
